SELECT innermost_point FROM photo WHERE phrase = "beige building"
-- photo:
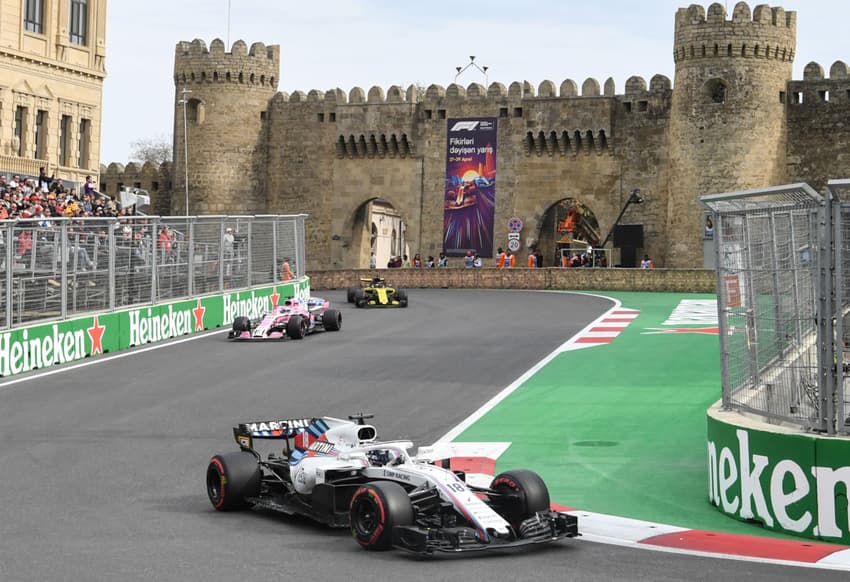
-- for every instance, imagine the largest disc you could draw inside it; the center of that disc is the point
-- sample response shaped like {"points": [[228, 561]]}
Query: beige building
{"points": [[52, 69]]}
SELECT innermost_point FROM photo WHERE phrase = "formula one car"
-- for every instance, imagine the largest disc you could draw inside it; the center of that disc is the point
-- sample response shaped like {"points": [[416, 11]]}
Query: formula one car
{"points": [[294, 319], [376, 291], [336, 472]]}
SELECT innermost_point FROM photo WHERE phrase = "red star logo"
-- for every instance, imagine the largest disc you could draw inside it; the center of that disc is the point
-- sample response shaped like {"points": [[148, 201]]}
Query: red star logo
{"points": [[199, 316], [275, 297], [96, 332]]}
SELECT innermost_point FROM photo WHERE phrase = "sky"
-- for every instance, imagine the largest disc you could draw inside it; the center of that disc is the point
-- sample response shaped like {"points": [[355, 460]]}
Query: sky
{"points": [[347, 43]]}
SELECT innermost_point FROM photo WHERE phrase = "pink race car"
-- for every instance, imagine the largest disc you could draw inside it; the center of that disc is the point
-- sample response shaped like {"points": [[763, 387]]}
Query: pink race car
{"points": [[294, 319]]}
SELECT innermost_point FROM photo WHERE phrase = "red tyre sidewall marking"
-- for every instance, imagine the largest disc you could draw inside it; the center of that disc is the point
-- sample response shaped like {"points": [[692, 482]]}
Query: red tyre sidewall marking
{"points": [[371, 493], [215, 461]]}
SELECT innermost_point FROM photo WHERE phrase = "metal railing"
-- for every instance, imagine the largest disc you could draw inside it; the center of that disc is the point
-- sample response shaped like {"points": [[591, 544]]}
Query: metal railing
{"points": [[53, 269], [783, 280]]}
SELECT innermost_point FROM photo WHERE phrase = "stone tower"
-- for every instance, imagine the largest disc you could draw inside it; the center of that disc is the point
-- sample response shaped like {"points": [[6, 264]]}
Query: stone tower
{"points": [[727, 124], [225, 118]]}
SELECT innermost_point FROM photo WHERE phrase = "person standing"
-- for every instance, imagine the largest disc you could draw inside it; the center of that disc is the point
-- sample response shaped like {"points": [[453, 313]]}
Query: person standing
{"points": [[443, 262], [468, 260], [510, 260], [373, 260], [646, 263], [477, 263], [500, 258]]}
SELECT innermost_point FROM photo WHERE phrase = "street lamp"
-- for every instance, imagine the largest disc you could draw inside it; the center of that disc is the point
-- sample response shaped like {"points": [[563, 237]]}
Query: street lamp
{"points": [[185, 101], [472, 63]]}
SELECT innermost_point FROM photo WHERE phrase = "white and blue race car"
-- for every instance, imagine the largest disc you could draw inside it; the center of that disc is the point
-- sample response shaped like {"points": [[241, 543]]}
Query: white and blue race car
{"points": [[336, 472]]}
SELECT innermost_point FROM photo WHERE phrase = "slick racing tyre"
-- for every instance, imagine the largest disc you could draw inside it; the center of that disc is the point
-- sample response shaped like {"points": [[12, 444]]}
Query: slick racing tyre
{"points": [[332, 320], [296, 327], [351, 292], [231, 478], [401, 295], [359, 298], [376, 508], [241, 324], [522, 493]]}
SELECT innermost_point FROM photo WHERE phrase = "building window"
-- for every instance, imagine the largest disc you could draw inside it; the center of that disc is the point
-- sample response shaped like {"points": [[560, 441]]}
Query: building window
{"points": [[83, 152], [20, 129], [716, 90], [64, 139], [333, 118], [34, 15], [79, 21], [503, 111], [40, 134]]}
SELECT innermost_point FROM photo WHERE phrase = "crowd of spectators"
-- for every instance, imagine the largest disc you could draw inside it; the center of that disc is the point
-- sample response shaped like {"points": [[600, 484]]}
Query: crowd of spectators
{"points": [[48, 197]]}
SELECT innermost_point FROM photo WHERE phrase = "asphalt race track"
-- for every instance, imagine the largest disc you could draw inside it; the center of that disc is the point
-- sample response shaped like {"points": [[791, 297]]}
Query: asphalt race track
{"points": [[103, 466]]}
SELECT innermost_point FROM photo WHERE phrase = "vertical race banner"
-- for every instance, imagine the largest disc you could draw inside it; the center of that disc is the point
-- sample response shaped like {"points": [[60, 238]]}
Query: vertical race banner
{"points": [[470, 192]]}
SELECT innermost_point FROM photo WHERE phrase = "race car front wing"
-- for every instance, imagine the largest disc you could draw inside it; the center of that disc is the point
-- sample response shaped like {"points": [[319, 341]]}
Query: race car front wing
{"points": [[541, 528]]}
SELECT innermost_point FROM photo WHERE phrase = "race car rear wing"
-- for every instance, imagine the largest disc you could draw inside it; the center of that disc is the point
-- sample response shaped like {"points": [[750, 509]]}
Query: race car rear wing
{"points": [[269, 429]]}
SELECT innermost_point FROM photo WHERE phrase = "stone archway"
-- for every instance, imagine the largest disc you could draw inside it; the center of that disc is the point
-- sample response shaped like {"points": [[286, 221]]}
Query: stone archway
{"points": [[376, 227], [568, 225]]}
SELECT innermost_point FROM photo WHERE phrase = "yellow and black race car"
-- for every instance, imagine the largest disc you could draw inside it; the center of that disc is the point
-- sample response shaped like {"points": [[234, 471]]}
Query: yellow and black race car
{"points": [[374, 291]]}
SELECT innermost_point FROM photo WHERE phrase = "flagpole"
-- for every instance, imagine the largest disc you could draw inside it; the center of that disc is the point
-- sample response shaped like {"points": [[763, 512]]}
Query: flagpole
{"points": [[228, 24]]}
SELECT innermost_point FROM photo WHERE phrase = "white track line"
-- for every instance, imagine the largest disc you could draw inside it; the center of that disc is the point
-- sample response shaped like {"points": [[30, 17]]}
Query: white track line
{"points": [[507, 391]]}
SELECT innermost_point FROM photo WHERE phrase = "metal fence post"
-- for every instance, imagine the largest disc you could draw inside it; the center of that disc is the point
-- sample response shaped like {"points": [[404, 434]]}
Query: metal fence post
{"points": [[10, 267], [275, 273], [110, 242], [838, 294], [250, 245], [722, 314], [154, 250], [826, 329], [301, 255], [190, 236], [221, 257], [63, 251]]}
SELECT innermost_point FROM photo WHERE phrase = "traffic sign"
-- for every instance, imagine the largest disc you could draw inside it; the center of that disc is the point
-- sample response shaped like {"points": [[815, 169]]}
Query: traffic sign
{"points": [[515, 224], [513, 245]]}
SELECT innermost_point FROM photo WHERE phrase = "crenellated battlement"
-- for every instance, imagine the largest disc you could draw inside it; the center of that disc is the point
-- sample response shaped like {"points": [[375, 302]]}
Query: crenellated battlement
{"points": [[765, 32], [195, 63], [475, 92], [816, 88]]}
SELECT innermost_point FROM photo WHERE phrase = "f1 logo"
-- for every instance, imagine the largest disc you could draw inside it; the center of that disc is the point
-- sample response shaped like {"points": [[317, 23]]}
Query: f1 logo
{"points": [[465, 126]]}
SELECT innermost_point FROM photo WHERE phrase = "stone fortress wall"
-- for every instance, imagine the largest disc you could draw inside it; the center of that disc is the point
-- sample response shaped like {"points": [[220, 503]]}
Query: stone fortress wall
{"points": [[733, 119]]}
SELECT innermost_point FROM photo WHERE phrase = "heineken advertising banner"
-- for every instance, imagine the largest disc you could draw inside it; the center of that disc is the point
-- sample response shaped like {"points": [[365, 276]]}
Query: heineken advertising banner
{"points": [[469, 207], [793, 483], [32, 348]]}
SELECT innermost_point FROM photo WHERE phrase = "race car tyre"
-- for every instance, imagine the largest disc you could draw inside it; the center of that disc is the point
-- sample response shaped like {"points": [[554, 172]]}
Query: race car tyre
{"points": [[401, 295], [332, 320], [359, 298], [296, 327], [231, 477], [522, 493], [241, 324], [351, 292], [376, 508]]}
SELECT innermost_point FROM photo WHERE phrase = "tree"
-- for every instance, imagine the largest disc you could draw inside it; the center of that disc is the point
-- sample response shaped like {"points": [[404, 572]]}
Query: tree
{"points": [[155, 150]]}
